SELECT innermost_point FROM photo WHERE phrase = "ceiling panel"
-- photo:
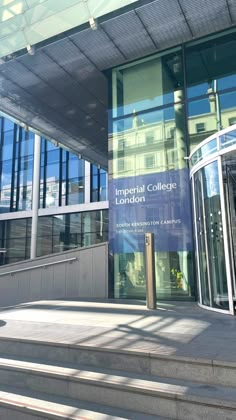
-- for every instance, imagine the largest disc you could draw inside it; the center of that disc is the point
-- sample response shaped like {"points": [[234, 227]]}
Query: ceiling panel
{"points": [[206, 15], [164, 27], [98, 47], [232, 8], [129, 34]]}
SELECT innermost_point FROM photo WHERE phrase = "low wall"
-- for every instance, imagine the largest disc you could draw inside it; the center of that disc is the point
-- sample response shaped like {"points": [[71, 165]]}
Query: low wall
{"points": [[79, 273]]}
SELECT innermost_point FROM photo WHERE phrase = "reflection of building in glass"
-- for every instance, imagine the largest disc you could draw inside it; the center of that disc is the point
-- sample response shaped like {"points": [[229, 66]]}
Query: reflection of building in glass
{"points": [[67, 182], [163, 107], [153, 146]]}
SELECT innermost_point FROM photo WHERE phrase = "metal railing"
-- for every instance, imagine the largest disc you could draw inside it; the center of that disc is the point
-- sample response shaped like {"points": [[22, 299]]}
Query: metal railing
{"points": [[38, 266]]}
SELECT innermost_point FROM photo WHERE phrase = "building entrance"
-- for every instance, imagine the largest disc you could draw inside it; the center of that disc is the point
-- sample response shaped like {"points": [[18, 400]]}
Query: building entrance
{"points": [[213, 177]]}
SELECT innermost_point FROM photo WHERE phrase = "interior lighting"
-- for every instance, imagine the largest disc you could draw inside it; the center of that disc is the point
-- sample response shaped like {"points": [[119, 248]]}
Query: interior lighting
{"points": [[30, 49], [93, 24]]}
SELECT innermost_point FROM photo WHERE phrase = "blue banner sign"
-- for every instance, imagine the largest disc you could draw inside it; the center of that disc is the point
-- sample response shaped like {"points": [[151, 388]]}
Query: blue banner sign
{"points": [[158, 203]]}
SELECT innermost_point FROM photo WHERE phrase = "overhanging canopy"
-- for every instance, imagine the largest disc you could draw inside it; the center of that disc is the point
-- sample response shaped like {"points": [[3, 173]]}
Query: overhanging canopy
{"points": [[61, 90]]}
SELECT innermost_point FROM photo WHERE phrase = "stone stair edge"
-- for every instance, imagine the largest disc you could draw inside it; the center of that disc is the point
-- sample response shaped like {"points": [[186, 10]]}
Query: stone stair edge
{"points": [[136, 352], [24, 405], [27, 408], [137, 388]]}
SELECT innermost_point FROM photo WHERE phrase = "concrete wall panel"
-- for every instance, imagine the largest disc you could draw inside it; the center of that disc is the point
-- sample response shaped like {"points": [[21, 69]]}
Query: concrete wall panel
{"points": [[80, 273]]}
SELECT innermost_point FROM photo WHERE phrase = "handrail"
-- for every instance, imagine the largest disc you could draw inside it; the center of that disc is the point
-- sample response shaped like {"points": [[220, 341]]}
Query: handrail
{"points": [[38, 266]]}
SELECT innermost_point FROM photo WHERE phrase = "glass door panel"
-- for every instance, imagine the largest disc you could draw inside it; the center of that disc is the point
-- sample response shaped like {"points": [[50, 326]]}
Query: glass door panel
{"points": [[209, 236], [229, 177], [200, 237]]}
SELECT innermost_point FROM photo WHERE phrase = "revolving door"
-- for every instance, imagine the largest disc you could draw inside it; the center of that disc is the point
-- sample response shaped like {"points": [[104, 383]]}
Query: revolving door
{"points": [[213, 179]]}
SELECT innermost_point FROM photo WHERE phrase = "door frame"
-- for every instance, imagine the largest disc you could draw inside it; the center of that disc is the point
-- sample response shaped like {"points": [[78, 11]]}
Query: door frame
{"points": [[217, 157]]}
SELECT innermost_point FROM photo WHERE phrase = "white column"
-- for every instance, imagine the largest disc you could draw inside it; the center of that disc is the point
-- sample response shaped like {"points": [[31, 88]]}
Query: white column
{"points": [[35, 192], [87, 174]]}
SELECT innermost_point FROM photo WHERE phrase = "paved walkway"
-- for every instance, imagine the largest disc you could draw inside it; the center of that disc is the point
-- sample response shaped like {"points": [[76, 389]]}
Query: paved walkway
{"points": [[177, 329]]}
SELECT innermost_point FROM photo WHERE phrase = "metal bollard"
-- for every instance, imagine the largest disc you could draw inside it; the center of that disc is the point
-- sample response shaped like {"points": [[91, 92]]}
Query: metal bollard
{"points": [[150, 271]]}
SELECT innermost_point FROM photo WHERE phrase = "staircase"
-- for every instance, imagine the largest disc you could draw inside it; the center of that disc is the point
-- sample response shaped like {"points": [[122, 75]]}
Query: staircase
{"points": [[41, 380]]}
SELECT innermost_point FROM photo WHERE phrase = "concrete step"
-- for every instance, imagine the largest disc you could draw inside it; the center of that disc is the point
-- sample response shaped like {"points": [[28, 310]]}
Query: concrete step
{"points": [[205, 371], [147, 395], [18, 405]]}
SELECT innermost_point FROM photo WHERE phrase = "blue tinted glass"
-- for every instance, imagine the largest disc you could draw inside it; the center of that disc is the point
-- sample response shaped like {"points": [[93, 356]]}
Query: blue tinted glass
{"points": [[7, 152], [51, 146], [142, 119], [41, 173], [94, 169], [8, 137], [52, 193], [64, 165], [73, 168], [227, 82], [95, 181], [6, 173], [53, 156], [75, 191], [103, 186], [5, 200], [228, 100], [53, 170], [27, 147], [64, 155], [199, 107], [198, 90], [8, 125]]}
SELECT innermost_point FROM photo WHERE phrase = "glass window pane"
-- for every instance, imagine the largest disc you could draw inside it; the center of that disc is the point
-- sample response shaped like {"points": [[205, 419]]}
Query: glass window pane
{"points": [[8, 145], [202, 113], [149, 84], [210, 66], [52, 193], [44, 236], [5, 200], [8, 124], [76, 191], [6, 174], [167, 150], [210, 237]]}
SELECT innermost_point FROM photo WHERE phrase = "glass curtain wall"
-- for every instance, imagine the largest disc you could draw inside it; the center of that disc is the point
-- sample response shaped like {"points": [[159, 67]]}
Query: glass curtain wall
{"points": [[62, 177], [16, 168], [56, 233], [15, 237], [149, 137], [162, 108], [98, 184], [211, 86]]}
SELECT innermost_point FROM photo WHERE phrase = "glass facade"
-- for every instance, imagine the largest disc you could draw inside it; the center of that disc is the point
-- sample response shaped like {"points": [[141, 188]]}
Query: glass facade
{"points": [[56, 233], [15, 237], [62, 183], [16, 169], [62, 179], [62, 176], [210, 87], [98, 186], [162, 108]]}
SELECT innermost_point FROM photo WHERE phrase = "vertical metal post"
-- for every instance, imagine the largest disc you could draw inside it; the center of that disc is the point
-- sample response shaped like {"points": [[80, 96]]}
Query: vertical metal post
{"points": [[150, 271], [87, 182], [35, 192], [228, 260]]}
